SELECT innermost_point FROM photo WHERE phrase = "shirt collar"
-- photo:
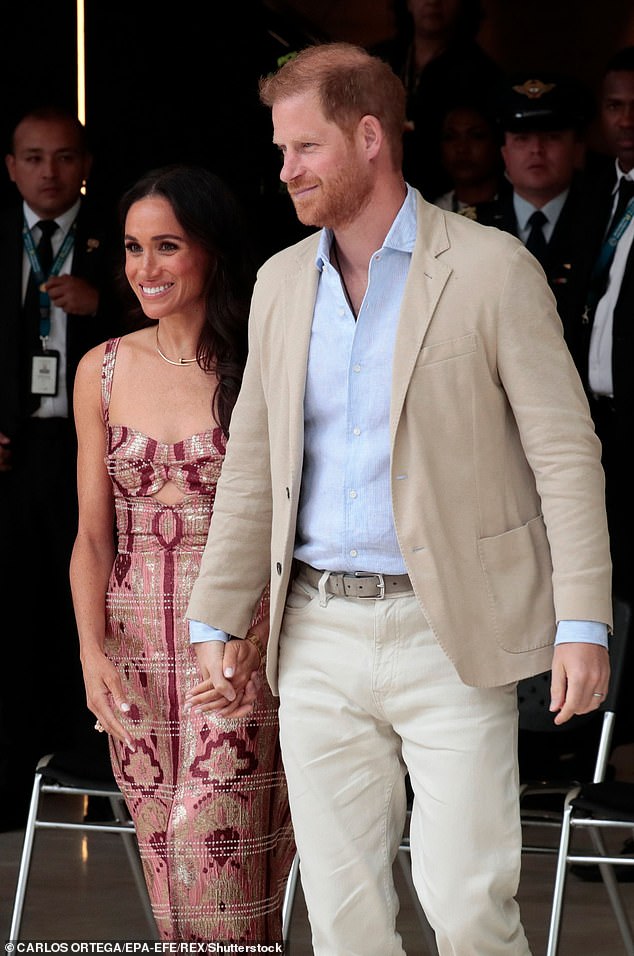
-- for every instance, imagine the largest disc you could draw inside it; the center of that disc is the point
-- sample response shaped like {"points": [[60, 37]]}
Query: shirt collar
{"points": [[401, 235], [524, 209], [621, 175], [64, 221]]}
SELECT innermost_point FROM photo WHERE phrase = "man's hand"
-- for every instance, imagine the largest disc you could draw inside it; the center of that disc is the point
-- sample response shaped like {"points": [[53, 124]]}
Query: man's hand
{"points": [[230, 682], [580, 678], [73, 294]]}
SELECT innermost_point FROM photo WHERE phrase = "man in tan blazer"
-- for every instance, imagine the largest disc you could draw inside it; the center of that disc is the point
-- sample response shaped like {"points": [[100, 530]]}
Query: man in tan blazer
{"points": [[413, 468]]}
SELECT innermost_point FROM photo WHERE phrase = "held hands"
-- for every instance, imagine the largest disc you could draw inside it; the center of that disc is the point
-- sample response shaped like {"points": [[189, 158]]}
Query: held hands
{"points": [[580, 678], [231, 680], [104, 696], [73, 294]]}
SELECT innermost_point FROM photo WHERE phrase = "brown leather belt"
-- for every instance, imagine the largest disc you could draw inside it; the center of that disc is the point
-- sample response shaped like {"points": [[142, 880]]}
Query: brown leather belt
{"points": [[357, 584]]}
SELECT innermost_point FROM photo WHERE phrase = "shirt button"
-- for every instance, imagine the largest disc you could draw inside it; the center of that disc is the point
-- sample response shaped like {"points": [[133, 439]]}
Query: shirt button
{"points": [[356, 368], [353, 494], [356, 431], [341, 311], [354, 553]]}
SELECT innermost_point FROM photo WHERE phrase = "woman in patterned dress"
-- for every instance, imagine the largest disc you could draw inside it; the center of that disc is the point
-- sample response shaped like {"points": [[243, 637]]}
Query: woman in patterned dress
{"points": [[206, 790]]}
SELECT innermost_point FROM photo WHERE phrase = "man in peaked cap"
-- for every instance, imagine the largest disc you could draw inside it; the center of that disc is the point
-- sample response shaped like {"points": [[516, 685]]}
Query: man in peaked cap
{"points": [[542, 121]]}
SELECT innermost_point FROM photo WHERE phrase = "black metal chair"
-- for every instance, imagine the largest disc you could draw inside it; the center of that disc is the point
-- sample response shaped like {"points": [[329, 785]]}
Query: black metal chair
{"points": [[594, 808], [289, 899], [597, 807], [555, 759], [78, 774]]}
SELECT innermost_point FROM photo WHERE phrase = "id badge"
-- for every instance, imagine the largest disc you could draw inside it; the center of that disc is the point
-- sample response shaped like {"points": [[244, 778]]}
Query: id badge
{"points": [[45, 373]]}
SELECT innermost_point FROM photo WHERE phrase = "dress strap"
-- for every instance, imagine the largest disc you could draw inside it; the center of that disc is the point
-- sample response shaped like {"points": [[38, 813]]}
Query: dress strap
{"points": [[109, 359]]}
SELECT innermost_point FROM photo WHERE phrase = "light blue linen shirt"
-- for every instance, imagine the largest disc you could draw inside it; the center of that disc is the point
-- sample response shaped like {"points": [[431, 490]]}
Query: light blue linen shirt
{"points": [[345, 520]]}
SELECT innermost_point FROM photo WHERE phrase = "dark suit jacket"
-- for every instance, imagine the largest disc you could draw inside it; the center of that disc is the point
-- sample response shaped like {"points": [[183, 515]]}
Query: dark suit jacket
{"points": [[562, 247], [614, 419], [591, 228], [38, 514], [92, 260]]}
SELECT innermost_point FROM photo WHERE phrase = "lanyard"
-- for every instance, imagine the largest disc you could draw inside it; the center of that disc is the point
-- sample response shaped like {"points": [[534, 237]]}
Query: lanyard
{"points": [[609, 245], [60, 258], [598, 278]]}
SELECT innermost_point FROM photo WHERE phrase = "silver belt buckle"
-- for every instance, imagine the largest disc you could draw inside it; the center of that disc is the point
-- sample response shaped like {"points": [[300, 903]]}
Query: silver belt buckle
{"points": [[380, 587]]}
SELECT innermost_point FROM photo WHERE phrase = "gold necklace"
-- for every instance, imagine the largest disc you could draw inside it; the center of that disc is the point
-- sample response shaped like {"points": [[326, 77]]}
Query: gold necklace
{"points": [[181, 361]]}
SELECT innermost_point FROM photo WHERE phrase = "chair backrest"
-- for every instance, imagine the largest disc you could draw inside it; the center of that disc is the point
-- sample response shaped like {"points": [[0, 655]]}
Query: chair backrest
{"points": [[576, 749], [618, 649]]}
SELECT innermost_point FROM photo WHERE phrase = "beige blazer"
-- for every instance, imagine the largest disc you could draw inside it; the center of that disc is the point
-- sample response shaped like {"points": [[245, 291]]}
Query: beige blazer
{"points": [[497, 486]]}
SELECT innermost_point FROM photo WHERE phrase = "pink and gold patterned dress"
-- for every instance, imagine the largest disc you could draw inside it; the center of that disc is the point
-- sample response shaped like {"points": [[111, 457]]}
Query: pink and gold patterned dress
{"points": [[207, 794]]}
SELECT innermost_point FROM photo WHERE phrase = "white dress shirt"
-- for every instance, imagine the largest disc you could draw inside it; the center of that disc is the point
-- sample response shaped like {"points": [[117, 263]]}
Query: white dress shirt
{"points": [[53, 406], [600, 353]]}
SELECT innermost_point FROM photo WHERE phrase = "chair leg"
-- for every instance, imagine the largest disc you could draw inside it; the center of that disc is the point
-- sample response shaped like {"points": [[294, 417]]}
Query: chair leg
{"points": [[132, 851], [429, 936], [560, 884], [289, 898], [25, 861], [612, 889]]}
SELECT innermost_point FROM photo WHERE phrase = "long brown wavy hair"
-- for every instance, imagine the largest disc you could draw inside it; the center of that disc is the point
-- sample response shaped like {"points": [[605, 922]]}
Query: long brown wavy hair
{"points": [[211, 216]]}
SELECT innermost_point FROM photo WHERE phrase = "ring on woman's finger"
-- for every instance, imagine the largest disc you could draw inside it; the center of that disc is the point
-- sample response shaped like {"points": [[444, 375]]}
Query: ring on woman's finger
{"points": [[598, 695], [99, 727]]}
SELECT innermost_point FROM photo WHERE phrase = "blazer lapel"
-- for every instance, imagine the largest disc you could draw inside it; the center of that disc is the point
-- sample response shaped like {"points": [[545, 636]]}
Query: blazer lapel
{"points": [[425, 282], [298, 300]]}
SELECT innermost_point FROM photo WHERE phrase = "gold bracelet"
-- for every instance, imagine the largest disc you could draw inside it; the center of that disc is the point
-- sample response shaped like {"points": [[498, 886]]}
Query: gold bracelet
{"points": [[253, 638]]}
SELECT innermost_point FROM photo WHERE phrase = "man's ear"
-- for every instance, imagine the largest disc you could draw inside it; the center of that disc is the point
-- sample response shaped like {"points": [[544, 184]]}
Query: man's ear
{"points": [[372, 135]]}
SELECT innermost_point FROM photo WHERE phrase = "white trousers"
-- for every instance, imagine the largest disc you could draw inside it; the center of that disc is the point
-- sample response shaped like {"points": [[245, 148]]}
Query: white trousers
{"points": [[366, 695]]}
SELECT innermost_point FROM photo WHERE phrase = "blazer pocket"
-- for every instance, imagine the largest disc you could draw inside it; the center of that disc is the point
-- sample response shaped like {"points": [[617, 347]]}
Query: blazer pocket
{"points": [[452, 348], [518, 573]]}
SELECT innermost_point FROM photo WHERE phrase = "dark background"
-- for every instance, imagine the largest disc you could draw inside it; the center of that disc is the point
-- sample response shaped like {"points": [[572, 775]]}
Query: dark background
{"points": [[180, 83]]}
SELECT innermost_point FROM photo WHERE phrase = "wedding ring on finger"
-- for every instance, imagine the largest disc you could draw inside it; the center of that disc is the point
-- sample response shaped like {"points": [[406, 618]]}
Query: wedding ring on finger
{"points": [[99, 727], [598, 695]]}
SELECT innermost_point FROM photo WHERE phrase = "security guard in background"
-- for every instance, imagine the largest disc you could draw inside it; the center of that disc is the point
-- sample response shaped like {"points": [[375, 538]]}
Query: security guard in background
{"points": [[542, 121]]}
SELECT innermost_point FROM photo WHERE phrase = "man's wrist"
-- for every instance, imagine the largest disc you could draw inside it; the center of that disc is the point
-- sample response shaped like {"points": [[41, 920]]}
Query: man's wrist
{"points": [[582, 632], [252, 638], [200, 632]]}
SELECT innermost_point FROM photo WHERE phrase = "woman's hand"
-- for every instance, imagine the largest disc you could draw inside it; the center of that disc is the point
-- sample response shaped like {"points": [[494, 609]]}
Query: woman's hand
{"points": [[104, 695], [231, 682]]}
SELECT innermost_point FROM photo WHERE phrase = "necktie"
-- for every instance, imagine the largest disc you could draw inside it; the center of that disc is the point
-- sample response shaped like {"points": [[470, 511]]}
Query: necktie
{"points": [[32, 307], [601, 271], [44, 251], [536, 242], [44, 246]]}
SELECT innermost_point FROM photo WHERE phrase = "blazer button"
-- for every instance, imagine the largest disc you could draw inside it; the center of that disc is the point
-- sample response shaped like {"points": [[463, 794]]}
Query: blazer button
{"points": [[278, 567]]}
